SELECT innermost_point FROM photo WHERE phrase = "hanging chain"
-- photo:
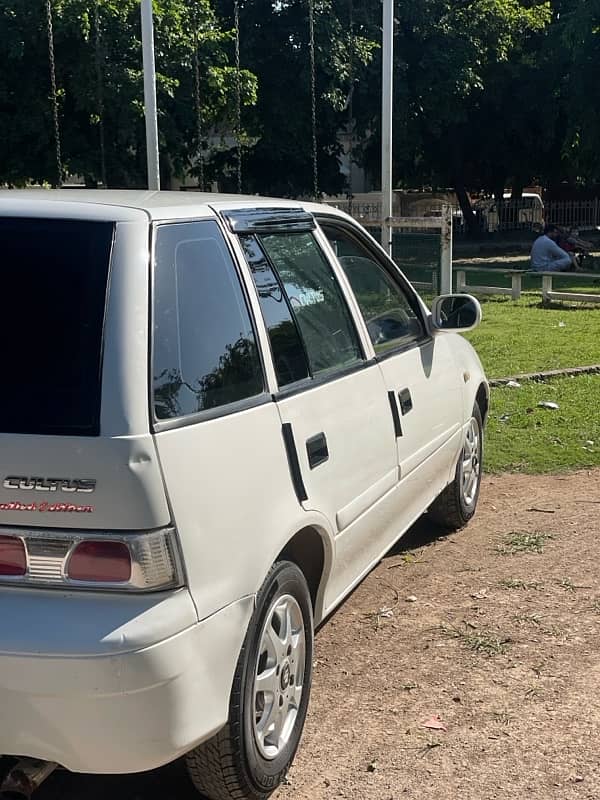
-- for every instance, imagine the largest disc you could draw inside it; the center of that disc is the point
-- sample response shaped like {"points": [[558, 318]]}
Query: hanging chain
{"points": [[313, 96], [200, 158], [351, 110], [238, 95], [100, 90], [55, 109]]}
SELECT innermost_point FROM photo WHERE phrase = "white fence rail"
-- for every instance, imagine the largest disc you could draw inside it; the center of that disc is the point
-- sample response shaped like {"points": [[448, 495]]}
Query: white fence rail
{"points": [[402, 229], [524, 214], [582, 214]]}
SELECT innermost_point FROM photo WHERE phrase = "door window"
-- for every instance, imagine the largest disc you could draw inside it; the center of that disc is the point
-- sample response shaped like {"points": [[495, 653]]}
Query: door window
{"points": [[390, 313], [317, 302], [204, 348], [289, 356]]}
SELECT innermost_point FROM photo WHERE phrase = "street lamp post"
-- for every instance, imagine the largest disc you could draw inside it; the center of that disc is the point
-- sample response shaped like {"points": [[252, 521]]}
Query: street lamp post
{"points": [[387, 91], [150, 96]]}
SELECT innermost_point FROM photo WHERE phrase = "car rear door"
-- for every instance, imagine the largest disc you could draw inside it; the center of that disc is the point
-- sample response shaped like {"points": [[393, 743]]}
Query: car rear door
{"points": [[335, 413]]}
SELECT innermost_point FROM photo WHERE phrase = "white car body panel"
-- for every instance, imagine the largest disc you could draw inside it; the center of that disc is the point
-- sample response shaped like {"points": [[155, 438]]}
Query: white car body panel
{"points": [[129, 493], [222, 522], [125, 687], [429, 373], [354, 413]]}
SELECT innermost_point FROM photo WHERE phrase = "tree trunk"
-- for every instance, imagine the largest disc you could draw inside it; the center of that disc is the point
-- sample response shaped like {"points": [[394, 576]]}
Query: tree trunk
{"points": [[469, 216]]}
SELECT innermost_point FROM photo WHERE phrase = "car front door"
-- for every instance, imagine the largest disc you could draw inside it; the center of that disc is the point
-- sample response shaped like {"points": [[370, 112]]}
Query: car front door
{"points": [[336, 419], [419, 371]]}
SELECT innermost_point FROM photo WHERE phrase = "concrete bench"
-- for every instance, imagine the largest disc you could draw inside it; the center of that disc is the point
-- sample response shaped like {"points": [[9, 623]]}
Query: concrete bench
{"points": [[548, 294], [515, 276]]}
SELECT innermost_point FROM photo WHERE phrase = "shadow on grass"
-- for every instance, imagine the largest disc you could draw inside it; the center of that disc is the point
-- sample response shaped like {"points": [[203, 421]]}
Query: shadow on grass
{"points": [[533, 300], [555, 305]]}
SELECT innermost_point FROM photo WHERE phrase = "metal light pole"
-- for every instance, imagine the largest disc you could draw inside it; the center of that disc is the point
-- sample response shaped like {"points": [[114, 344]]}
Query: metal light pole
{"points": [[150, 96], [387, 91]]}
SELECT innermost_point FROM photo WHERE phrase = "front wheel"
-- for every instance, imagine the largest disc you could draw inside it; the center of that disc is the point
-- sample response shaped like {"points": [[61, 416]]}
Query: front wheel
{"points": [[456, 505], [250, 757]]}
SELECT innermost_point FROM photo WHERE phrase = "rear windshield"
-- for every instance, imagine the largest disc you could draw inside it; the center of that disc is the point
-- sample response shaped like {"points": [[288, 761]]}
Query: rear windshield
{"points": [[53, 284]]}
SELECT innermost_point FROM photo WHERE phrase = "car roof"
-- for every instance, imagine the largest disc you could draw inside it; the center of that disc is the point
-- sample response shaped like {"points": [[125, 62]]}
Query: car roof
{"points": [[131, 204]]}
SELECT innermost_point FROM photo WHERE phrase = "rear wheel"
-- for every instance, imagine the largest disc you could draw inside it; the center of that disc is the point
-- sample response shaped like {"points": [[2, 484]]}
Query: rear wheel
{"points": [[251, 755], [456, 505]]}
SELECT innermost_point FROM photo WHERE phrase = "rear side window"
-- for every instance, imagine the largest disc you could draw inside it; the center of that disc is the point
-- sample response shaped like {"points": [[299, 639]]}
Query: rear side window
{"points": [[54, 285], [204, 349], [289, 357], [328, 332]]}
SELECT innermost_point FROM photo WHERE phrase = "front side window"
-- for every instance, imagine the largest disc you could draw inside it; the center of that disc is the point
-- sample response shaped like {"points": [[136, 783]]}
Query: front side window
{"points": [[317, 302], [391, 318], [54, 285], [204, 348]]}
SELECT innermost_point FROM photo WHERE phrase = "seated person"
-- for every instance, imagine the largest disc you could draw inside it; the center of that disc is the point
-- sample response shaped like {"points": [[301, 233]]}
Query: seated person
{"points": [[547, 256], [577, 248]]}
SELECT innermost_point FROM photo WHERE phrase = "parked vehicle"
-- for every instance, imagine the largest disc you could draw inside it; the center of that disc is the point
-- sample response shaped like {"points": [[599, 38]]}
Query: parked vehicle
{"points": [[525, 213], [218, 414]]}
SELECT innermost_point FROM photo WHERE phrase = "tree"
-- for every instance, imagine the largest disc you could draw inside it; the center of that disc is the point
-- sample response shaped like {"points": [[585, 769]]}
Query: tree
{"points": [[579, 32], [449, 57], [274, 45], [487, 92], [99, 75]]}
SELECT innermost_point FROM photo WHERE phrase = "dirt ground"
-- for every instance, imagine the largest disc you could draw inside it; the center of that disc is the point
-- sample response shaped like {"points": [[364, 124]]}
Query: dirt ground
{"points": [[477, 633]]}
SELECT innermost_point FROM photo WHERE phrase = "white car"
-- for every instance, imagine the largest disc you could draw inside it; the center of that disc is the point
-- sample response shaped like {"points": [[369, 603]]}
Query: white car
{"points": [[219, 412]]}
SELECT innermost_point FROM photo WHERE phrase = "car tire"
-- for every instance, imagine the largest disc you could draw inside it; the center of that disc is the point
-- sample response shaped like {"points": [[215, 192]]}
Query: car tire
{"points": [[251, 755], [456, 505]]}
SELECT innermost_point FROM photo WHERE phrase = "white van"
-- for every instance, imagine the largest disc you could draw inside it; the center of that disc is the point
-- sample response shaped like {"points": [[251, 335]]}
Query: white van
{"points": [[525, 213], [218, 414]]}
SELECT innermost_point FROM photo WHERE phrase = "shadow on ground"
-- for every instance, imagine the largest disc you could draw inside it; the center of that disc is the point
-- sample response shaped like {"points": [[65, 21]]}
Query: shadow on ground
{"points": [[168, 783], [171, 782]]}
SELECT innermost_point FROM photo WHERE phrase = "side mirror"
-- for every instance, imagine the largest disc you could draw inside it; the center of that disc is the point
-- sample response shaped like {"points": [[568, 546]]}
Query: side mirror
{"points": [[455, 313]]}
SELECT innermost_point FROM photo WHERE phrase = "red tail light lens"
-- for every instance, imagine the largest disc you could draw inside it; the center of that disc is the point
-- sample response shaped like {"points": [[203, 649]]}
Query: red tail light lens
{"points": [[13, 558], [140, 561], [100, 561]]}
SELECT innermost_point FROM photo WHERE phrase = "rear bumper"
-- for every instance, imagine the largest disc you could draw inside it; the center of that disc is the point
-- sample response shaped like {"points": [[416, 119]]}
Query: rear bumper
{"points": [[112, 708]]}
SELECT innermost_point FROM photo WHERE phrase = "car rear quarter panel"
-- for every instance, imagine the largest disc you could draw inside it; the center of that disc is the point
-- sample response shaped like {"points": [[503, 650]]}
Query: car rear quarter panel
{"points": [[233, 502]]}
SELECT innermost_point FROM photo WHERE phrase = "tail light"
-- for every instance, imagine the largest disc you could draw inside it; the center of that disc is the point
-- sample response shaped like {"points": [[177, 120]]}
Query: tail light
{"points": [[13, 558], [147, 561], [100, 561]]}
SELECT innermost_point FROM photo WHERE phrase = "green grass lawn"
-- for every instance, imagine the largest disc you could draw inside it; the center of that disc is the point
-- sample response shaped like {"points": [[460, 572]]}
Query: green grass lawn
{"points": [[522, 437], [520, 337], [525, 337]]}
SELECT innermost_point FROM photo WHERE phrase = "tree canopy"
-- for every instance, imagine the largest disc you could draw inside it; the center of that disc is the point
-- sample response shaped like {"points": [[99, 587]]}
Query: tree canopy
{"points": [[488, 93]]}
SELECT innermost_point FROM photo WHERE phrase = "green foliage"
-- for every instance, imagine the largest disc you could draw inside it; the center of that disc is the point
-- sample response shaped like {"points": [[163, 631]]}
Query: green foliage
{"points": [[275, 47], [579, 29], [99, 75], [487, 92], [449, 59]]}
